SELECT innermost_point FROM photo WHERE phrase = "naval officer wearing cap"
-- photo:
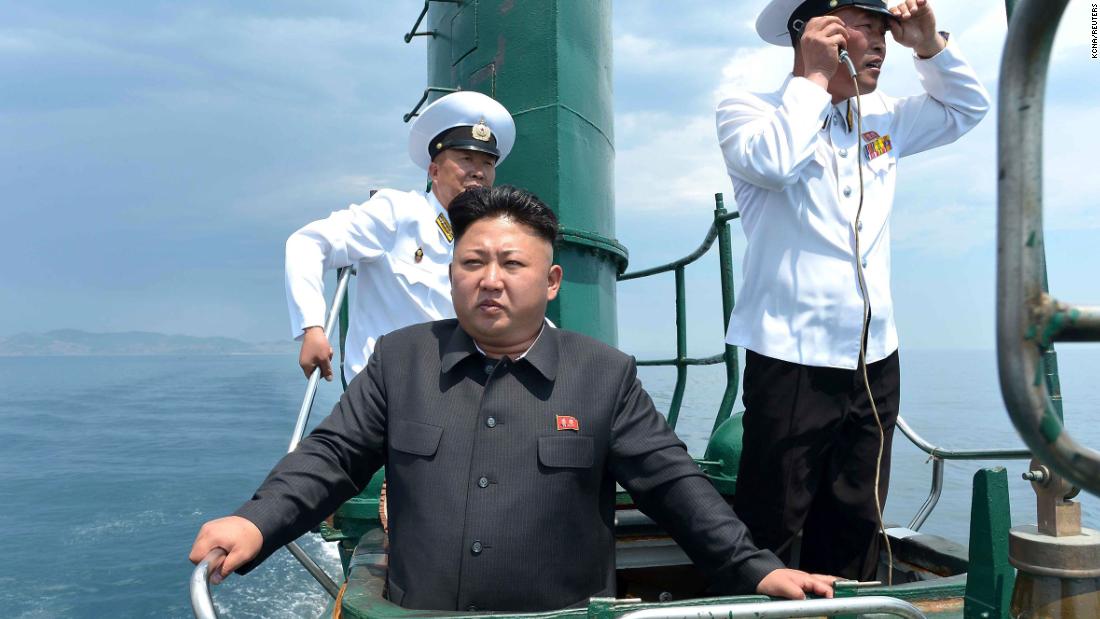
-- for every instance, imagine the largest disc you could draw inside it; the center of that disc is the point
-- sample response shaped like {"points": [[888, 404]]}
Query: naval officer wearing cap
{"points": [[797, 157], [400, 242]]}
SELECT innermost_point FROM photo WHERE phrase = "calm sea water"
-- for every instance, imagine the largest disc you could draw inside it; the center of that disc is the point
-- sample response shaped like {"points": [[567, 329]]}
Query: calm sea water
{"points": [[108, 467]]}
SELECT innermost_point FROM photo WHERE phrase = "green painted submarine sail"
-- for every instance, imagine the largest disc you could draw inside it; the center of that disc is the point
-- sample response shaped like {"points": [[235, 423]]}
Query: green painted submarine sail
{"points": [[549, 62]]}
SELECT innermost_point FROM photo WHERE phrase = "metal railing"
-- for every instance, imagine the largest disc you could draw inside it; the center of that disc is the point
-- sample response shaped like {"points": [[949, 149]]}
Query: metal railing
{"points": [[343, 277], [719, 230], [427, 33], [1029, 320], [202, 604], [938, 455], [413, 113], [315, 570], [788, 608]]}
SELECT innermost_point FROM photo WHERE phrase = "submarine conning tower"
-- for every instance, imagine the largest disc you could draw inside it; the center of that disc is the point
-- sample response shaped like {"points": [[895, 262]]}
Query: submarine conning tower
{"points": [[550, 65]]}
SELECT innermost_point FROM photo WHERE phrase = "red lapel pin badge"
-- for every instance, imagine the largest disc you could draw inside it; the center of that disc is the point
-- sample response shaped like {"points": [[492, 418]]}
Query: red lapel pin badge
{"points": [[565, 422]]}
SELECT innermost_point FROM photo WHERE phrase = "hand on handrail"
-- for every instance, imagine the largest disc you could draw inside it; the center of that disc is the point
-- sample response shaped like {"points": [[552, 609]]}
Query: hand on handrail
{"points": [[316, 353], [795, 584], [233, 535], [210, 564]]}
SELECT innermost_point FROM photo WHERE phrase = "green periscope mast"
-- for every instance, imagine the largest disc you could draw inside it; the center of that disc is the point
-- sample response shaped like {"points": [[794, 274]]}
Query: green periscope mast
{"points": [[550, 63]]}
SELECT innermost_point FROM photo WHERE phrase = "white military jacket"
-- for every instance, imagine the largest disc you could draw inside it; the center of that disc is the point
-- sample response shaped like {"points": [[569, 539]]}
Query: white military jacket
{"points": [[401, 244], [793, 158]]}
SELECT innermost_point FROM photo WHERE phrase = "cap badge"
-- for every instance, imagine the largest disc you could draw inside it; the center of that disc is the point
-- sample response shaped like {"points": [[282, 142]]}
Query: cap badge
{"points": [[481, 131], [833, 3], [419, 255], [445, 228], [566, 422]]}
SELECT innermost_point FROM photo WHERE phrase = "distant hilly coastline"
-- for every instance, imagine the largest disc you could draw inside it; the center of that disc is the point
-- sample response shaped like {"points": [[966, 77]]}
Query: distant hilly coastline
{"points": [[73, 342]]}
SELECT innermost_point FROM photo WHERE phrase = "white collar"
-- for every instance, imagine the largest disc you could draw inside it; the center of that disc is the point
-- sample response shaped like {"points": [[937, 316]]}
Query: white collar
{"points": [[545, 321], [436, 204]]}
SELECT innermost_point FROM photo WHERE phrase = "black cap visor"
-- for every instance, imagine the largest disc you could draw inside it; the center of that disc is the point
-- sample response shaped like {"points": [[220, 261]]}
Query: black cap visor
{"points": [[461, 138], [810, 9]]}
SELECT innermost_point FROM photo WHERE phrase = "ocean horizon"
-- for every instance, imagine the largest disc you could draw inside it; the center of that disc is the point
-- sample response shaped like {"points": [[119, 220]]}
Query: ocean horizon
{"points": [[111, 464]]}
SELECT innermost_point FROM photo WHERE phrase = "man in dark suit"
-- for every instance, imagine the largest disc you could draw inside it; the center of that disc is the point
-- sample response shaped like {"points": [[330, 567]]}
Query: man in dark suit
{"points": [[503, 438]]}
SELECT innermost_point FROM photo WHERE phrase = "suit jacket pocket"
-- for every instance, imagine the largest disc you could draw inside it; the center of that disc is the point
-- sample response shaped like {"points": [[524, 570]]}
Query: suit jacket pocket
{"points": [[574, 452], [413, 437]]}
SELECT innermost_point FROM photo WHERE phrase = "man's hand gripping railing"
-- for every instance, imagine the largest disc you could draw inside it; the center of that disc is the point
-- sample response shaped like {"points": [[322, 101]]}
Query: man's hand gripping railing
{"points": [[202, 604]]}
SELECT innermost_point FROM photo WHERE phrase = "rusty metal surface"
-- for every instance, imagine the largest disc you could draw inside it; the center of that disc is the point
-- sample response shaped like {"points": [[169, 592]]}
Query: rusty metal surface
{"points": [[1074, 556], [1054, 598], [945, 607]]}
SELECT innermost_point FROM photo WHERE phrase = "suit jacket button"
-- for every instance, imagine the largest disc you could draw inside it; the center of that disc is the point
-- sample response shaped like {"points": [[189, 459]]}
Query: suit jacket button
{"points": [[483, 482], [491, 422], [476, 548]]}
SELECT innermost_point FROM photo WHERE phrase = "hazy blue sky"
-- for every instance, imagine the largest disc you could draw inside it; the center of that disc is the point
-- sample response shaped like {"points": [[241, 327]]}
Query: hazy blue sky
{"points": [[154, 156]]}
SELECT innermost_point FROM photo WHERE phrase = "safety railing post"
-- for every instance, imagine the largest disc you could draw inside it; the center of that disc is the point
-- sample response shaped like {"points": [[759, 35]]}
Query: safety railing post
{"points": [[718, 230], [933, 495], [729, 354], [681, 348]]}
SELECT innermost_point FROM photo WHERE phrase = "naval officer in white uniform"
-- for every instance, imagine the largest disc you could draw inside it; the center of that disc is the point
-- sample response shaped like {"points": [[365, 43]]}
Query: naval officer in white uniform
{"points": [[400, 242], [795, 156]]}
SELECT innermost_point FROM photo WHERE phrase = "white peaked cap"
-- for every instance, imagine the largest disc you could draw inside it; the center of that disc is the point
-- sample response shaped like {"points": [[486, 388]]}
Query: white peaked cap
{"points": [[460, 109], [771, 25]]}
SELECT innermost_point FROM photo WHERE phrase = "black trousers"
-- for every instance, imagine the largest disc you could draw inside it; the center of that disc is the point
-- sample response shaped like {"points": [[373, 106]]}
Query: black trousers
{"points": [[808, 461]]}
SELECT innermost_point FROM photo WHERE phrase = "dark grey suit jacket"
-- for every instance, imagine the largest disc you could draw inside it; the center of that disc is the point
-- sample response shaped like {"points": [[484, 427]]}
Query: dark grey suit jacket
{"points": [[493, 504]]}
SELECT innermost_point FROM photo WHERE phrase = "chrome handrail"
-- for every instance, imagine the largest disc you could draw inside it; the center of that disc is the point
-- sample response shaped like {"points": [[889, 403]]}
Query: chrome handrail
{"points": [[938, 456], [315, 377], [319, 574], [959, 454], [786, 608], [1028, 319], [307, 562], [201, 602], [933, 496]]}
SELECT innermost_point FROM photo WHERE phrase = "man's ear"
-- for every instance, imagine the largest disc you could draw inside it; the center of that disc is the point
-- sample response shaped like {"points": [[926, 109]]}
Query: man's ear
{"points": [[451, 272], [553, 282], [433, 171]]}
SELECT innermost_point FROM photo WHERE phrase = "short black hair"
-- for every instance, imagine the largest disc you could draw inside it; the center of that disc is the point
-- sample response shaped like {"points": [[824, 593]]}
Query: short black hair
{"points": [[504, 201]]}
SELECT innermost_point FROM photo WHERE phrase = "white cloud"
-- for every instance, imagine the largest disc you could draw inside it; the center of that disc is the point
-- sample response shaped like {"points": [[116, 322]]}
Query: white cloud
{"points": [[672, 159], [636, 53], [755, 69]]}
